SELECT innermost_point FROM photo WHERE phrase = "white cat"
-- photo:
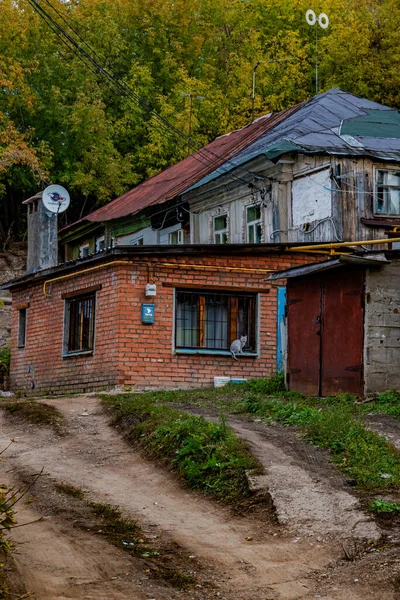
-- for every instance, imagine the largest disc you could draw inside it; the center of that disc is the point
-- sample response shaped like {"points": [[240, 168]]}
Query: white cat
{"points": [[238, 345]]}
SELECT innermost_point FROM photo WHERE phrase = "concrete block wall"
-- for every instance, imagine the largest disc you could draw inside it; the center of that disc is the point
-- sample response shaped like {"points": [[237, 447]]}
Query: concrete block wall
{"points": [[128, 352], [382, 329]]}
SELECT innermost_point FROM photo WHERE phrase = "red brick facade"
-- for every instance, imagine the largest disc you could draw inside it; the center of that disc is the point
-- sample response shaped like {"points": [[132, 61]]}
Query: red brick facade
{"points": [[128, 352]]}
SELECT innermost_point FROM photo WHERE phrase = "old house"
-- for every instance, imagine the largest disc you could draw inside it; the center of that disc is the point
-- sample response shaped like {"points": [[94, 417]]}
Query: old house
{"points": [[152, 288]]}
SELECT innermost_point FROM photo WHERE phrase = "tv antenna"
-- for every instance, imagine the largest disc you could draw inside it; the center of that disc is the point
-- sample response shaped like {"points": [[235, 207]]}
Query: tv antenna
{"points": [[323, 22], [55, 199]]}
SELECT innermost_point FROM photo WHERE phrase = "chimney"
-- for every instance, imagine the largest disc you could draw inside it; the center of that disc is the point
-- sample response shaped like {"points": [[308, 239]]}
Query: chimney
{"points": [[42, 235]]}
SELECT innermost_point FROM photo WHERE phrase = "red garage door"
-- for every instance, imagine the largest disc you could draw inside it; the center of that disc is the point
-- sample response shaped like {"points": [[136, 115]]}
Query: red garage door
{"points": [[325, 332]]}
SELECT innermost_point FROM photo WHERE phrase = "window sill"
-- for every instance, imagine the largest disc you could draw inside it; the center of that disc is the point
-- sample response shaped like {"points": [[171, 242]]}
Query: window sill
{"points": [[78, 353], [214, 352]]}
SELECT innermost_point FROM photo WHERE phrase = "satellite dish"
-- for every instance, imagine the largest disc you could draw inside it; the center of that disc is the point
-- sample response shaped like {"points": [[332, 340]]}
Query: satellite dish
{"points": [[323, 21], [55, 198], [311, 17]]}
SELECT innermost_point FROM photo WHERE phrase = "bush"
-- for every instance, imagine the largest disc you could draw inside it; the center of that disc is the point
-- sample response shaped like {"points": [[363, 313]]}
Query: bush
{"points": [[271, 386], [4, 362]]}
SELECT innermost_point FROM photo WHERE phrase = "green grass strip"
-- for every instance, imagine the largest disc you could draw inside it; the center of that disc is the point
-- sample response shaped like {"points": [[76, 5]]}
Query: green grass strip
{"points": [[207, 455], [364, 456]]}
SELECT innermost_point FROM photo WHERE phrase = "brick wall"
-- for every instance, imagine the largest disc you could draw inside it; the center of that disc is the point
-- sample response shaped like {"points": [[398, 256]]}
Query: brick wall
{"points": [[127, 352]]}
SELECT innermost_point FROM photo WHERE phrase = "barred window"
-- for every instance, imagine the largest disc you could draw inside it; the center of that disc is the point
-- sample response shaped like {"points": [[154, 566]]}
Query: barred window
{"points": [[79, 324], [212, 321]]}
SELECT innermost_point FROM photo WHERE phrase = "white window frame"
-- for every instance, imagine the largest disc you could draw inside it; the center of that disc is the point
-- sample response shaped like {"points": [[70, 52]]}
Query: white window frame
{"points": [[218, 233], [99, 240], [252, 225], [180, 233], [376, 174], [82, 248], [138, 241]]}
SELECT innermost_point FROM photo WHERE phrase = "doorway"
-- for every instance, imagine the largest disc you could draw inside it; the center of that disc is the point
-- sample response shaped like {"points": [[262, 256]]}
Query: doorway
{"points": [[325, 332]]}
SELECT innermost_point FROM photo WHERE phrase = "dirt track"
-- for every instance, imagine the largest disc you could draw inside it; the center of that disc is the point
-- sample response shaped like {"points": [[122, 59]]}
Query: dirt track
{"points": [[234, 557]]}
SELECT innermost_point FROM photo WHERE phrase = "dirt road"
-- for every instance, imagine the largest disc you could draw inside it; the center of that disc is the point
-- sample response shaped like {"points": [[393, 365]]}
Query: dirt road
{"points": [[232, 557]]}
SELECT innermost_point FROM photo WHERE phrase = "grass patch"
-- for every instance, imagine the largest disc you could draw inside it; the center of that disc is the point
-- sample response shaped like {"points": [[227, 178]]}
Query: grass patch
{"points": [[335, 423], [384, 507], [364, 456], [70, 490], [387, 403], [34, 412], [208, 456]]}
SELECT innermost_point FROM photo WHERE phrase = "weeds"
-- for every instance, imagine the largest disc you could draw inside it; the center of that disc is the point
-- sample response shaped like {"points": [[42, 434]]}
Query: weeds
{"points": [[387, 403], [384, 507], [70, 490], [362, 455], [207, 455], [34, 412]]}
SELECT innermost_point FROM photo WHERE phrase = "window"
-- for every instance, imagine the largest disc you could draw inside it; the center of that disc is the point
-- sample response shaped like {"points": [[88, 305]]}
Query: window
{"points": [[387, 193], [221, 229], [100, 244], [22, 328], [84, 251], [212, 321], [79, 324], [253, 223], [137, 242], [176, 237]]}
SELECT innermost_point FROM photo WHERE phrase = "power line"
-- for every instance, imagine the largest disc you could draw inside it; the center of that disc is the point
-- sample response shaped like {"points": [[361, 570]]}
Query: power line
{"points": [[202, 154]]}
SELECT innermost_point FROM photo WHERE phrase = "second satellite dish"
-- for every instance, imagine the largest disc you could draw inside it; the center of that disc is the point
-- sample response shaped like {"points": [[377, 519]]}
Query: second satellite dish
{"points": [[55, 198]]}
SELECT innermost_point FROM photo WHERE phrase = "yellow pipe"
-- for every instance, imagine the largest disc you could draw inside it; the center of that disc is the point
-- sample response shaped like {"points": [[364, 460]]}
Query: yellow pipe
{"points": [[77, 273], [131, 262], [342, 244], [218, 268]]}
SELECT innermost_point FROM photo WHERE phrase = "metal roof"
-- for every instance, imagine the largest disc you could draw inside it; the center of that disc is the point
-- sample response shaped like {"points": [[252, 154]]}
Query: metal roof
{"points": [[335, 263], [334, 122], [174, 180]]}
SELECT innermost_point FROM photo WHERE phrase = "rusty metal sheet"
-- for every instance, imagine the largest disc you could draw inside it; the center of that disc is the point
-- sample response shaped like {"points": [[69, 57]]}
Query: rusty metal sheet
{"points": [[342, 332], [303, 310]]}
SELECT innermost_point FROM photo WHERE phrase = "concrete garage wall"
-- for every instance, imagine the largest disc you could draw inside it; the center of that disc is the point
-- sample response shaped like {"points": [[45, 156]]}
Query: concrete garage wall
{"points": [[382, 329]]}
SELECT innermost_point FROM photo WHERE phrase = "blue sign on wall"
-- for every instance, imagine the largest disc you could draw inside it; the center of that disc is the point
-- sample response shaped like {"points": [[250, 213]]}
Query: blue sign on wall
{"points": [[148, 314]]}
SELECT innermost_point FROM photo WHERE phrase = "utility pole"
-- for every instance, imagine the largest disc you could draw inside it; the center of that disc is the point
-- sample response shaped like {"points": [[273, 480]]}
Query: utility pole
{"points": [[191, 98]]}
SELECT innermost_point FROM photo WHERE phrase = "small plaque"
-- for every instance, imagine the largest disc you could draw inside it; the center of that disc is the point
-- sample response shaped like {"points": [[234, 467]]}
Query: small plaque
{"points": [[148, 314]]}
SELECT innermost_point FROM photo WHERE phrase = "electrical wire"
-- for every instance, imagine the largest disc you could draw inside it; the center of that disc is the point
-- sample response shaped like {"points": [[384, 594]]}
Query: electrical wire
{"points": [[202, 154], [100, 70]]}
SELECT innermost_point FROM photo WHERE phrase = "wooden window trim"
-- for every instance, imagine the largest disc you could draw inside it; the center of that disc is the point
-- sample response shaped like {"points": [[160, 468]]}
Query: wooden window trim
{"points": [[22, 306], [232, 324]]}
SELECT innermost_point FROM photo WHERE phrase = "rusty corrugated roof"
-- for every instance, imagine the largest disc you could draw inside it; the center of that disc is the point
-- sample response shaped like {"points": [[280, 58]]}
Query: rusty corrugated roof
{"points": [[176, 179]]}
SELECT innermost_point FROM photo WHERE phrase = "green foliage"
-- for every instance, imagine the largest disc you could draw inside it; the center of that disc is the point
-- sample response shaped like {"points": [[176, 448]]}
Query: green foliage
{"points": [[271, 386], [4, 361], [384, 507], [207, 455], [59, 120], [387, 402], [361, 454], [333, 423]]}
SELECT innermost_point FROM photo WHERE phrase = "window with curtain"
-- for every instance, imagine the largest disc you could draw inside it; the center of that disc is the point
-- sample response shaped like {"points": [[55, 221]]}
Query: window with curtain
{"points": [[213, 320]]}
